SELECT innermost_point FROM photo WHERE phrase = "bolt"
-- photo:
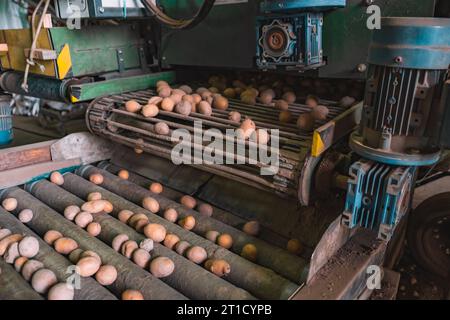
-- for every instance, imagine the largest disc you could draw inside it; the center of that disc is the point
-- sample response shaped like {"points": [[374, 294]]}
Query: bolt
{"points": [[101, 9], [369, 2], [361, 67], [398, 60]]}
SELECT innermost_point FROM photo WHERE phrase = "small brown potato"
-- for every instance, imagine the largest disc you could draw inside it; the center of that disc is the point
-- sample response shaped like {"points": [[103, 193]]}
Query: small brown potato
{"points": [[201, 90], [220, 103], [234, 116], [9, 204], [155, 100], [156, 187], [106, 275], [75, 255], [246, 129], [123, 174], [285, 116], [320, 112], [205, 209], [171, 240], [176, 98], [140, 225], [164, 92], [94, 228], [204, 108], [206, 94], [132, 295], [51, 236], [30, 267], [132, 106], [128, 247], [312, 101], [61, 292], [250, 100], [178, 91], [43, 280], [94, 196], [266, 98], [347, 101], [96, 178], [281, 105], [7, 241], [151, 204], [26, 215], [71, 212], [108, 206], [139, 146], [184, 108], [90, 253], [225, 240], [150, 111], [4, 233], [83, 219], [167, 104], [187, 222], [94, 207], [57, 178], [155, 231], [197, 98], [162, 128], [141, 257], [170, 214], [188, 201], [229, 93], [294, 246], [12, 253], [289, 97], [251, 228], [218, 266], [189, 99], [162, 83], [261, 136], [212, 235], [181, 247], [125, 215], [118, 241], [162, 267], [306, 121], [88, 266], [196, 254], [213, 90], [65, 245], [19, 262], [186, 89], [28, 247], [249, 252], [135, 218], [146, 244]]}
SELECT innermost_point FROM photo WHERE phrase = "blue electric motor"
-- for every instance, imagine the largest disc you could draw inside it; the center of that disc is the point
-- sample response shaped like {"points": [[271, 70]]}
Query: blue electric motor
{"points": [[6, 127]]}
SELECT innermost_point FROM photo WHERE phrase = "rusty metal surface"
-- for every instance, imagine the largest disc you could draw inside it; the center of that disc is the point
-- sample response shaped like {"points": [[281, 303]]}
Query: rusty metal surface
{"points": [[17, 157]]}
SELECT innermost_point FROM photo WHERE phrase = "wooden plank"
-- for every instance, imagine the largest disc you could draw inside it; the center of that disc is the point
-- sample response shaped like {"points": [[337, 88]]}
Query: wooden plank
{"points": [[17, 157], [41, 54]]}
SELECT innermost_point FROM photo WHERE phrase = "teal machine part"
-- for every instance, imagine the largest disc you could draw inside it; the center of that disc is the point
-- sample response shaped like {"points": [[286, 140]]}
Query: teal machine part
{"points": [[6, 126]]}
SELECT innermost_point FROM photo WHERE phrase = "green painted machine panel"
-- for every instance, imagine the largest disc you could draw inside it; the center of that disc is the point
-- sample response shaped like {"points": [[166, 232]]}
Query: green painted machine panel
{"points": [[95, 49]]}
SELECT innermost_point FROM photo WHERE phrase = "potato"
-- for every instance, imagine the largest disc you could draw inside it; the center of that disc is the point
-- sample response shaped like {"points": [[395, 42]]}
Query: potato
{"points": [[155, 100], [294, 246], [132, 106], [156, 187], [289, 97], [162, 267], [306, 121], [320, 112], [90, 253], [94, 228], [65, 245], [150, 204], [312, 101], [42, 280], [265, 98], [88, 266], [164, 92], [19, 262], [123, 174], [25, 216], [140, 225], [250, 100], [162, 128], [197, 98], [155, 231], [135, 218], [261, 136], [171, 214], [251, 228], [189, 99], [57, 178], [61, 291], [96, 178], [83, 219], [171, 240], [188, 201], [9, 204], [347, 101], [246, 129], [128, 247], [213, 90], [212, 235], [238, 84], [225, 240], [30, 267], [4, 233], [218, 266], [94, 196], [106, 275], [187, 222], [132, 295], [71, 212], [94, 207], [205, 209], [220, 103], [281, 105], [125, 215], [176, 98], [29, 247], [139, 146], [75, 255], [141, 257], [204, 108], [108, 207], [118, 241], [229, 93], [186, 89], [201, 90], [178, 91], [146, 244], [249, 252], [167, 104], [183, 107], [206, 95], [181, 247], [51, 236], [285, 116], [12, 253], [234, 116], [162, 83], [7, 241], [196, 254], [150, 111]]}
